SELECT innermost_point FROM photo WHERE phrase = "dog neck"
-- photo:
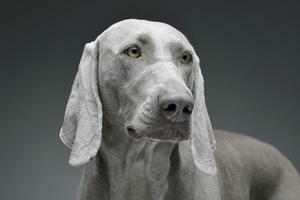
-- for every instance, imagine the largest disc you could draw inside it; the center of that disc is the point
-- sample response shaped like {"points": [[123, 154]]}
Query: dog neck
{"points": [[135, 169]]}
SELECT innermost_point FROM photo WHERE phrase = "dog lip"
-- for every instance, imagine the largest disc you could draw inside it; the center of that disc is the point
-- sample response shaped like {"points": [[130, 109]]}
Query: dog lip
{"points": [[171, 134]]}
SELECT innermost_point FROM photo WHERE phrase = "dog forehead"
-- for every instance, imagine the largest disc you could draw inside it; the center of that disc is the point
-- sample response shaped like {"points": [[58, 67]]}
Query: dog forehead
{"points": [[131, 28]]}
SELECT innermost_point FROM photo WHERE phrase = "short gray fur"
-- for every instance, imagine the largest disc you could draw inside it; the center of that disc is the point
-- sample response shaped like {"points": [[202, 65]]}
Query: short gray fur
{"points": [[112, 91]]}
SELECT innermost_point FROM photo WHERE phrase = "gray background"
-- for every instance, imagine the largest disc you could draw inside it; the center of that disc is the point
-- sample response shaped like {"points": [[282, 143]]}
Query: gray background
{"points": [[249, 57]]}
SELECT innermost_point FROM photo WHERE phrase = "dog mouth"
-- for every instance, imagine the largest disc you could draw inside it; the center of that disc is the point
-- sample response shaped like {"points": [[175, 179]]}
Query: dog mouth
{"points": [[148, 123], [164, 134]]}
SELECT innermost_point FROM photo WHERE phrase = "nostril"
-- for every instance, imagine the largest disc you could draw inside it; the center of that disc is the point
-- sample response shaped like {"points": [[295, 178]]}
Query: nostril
{"points": [[171, 107], [187, 110], [176, 108], [131, 130]]}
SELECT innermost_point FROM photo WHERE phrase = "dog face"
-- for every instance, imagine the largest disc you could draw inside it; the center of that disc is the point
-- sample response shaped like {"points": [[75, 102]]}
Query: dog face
{"points": [[146, 74]]}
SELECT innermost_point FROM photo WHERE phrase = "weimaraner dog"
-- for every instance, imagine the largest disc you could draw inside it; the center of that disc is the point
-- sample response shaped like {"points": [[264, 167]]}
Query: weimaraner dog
{"points": [[136, 118]]}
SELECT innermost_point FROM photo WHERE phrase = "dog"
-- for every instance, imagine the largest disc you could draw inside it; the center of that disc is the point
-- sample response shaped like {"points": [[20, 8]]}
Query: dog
{"points": [[137, 120]]}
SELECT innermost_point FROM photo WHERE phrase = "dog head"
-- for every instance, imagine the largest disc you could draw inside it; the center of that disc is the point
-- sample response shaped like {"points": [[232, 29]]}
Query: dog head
{"points": [[144, 77]]}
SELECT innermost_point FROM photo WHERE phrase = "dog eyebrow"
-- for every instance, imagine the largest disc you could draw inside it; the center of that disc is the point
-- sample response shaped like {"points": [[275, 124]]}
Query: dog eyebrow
{"points": [[178, 46], [141, 38]]}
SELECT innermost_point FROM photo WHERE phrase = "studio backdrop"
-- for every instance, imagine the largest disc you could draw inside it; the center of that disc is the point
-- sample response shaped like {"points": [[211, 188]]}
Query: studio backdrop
{"points": [[249, 56]]}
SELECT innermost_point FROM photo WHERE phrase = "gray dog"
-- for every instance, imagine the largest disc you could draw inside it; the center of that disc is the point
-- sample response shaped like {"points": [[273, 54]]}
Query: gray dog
{"points": [[137, 119]]}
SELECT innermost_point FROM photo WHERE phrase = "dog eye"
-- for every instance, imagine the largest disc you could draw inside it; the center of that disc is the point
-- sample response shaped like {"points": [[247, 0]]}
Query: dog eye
{"points": [[133, 51], [186, 58]]}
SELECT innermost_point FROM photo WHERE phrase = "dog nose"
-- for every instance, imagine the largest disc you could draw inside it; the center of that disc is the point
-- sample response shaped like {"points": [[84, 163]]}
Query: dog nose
{"points": [[176, 108]]}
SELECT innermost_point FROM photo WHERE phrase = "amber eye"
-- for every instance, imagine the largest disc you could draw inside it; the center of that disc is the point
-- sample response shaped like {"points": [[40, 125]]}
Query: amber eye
{"points": [[133, 51], [186, 58]]}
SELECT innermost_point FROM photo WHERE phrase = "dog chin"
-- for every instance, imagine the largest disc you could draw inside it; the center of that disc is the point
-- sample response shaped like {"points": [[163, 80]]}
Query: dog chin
{"points": [[165, 135]]}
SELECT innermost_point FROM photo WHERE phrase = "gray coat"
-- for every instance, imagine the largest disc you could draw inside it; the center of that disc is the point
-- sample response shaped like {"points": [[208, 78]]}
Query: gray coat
{"points": [[137, 119]]}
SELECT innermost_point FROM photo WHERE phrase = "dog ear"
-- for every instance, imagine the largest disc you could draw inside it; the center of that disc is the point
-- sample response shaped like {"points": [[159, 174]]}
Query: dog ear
{"points": [[202, 139], [81, 129]]}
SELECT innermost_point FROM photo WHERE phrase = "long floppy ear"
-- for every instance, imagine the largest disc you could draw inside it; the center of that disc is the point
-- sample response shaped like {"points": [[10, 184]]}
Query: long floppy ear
{"points": [[81, 129], [202, 139]]}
